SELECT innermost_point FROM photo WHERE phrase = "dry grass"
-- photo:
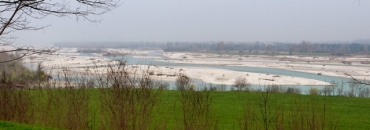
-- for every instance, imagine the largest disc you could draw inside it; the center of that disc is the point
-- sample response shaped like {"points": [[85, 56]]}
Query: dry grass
{"points": [[310, 115], [195, 107], [129, 102]]}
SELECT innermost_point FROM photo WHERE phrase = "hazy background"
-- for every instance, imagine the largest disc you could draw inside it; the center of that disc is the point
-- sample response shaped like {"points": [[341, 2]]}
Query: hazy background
{"points": [[213, 20]]}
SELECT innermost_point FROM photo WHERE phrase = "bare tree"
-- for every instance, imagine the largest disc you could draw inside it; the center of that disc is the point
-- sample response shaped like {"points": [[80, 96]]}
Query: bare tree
{"points": [[241, 83], [183, 82], [16, 15]]}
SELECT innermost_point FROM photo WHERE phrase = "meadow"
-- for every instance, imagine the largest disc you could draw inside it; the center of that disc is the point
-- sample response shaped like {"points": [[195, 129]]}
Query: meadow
{"points": [[87, 108]]}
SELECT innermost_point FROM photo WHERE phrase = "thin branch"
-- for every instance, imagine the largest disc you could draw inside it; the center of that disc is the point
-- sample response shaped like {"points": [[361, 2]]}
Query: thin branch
{"points": [[22, 11], [10, 19], [356, 81]]}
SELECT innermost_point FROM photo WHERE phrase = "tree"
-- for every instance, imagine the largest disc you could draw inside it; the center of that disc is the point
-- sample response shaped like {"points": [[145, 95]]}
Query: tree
{"points": [[241, 83], [220, 47], [269, 47], [16, 15], [366, 48], [183, 82], [292, 49], [305, 47]]}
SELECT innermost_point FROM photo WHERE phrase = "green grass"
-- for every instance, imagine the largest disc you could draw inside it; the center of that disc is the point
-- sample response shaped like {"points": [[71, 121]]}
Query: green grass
{"points": [[5, 125], [350, 113], [228, 107]]}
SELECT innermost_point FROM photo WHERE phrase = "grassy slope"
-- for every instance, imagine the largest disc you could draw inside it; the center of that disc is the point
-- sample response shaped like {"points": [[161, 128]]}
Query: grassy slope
{"points": [[351, 113], [4, 125]]}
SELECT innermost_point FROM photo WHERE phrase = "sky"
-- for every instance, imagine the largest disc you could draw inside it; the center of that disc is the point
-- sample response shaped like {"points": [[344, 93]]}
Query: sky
{"points": [[212, 20]]}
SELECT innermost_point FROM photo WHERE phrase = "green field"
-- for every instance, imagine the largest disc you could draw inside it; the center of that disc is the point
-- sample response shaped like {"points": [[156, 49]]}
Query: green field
{"points": [[5, 125], [225, 110], [350, 113]]}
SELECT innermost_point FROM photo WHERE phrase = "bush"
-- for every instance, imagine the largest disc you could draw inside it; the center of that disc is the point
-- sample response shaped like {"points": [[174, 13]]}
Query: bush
{"points": [[15, 73], [314, 91], [241, 83], [196, 111], [293, 90]]}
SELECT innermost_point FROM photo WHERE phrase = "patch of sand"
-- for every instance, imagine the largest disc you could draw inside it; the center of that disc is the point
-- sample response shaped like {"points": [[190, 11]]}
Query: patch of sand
{"points": [[332, 66]]}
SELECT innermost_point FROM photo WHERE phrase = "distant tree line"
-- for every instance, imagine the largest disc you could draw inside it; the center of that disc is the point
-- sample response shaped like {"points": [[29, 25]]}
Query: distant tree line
{"points": [[303, 47], [336, 48], [133, 45], [92, 50]]}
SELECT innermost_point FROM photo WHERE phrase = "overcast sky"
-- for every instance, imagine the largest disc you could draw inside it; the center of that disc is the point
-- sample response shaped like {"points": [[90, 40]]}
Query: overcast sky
{"points": [[213, 20]]}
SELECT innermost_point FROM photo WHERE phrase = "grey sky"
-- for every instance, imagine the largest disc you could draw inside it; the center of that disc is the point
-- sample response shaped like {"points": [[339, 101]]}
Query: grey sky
{"points": [[214, 20]]}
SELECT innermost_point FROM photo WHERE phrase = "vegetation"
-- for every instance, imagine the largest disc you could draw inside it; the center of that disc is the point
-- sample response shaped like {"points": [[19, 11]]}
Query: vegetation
{"points": [[304, 47], [122, 98], [190, 109], [244, 48], [195, 107], [13, 73], [241, 83], [91, 50], [5, 125], [140, 103], [24, 11]]}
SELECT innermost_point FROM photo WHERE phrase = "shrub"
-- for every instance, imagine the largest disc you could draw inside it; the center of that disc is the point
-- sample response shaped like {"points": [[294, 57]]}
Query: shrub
{"points": [[241, 83], [183, 82], [196, 111], [293, 90], [314, 91]]}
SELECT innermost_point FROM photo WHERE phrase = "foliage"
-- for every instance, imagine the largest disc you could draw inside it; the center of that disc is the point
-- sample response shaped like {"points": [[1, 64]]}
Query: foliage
{"points": [[314, 91], [195, 107], [240, 48], [15, 74], [118, 100], [227, 108], [16, 15], [241, 83], [5, 125]]}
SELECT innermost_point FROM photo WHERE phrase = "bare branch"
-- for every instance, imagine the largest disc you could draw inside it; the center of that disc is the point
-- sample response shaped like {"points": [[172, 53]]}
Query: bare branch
{"points": [[356, 81], [16, 15]]}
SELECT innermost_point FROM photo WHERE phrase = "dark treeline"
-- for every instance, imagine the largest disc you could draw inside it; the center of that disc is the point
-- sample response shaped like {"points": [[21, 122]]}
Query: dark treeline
{"points": [[335, 48], [303, 47], [134, 45]]}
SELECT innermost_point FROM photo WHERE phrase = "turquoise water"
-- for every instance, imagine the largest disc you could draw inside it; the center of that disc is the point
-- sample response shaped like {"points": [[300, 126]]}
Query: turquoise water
{"points": [[273, 71]]}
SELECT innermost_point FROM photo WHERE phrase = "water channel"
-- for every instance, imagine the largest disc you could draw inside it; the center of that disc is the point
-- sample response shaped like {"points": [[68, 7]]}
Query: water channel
{"points": [[147, 61], [132, 60]]}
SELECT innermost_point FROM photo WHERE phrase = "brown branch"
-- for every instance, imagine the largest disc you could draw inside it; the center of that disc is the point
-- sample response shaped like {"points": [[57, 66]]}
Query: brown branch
{"points": [[359, 82], [26, 51], [10, 19], [23, 10], [13, 59]]}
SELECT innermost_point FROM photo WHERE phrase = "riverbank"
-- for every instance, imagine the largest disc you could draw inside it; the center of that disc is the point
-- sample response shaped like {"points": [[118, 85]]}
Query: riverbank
{"points": [[346, 67], [69, 59]]}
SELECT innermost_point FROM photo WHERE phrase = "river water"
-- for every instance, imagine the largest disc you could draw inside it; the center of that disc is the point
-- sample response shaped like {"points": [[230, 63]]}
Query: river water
{"points": [[132, 60], [146, 61]]}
